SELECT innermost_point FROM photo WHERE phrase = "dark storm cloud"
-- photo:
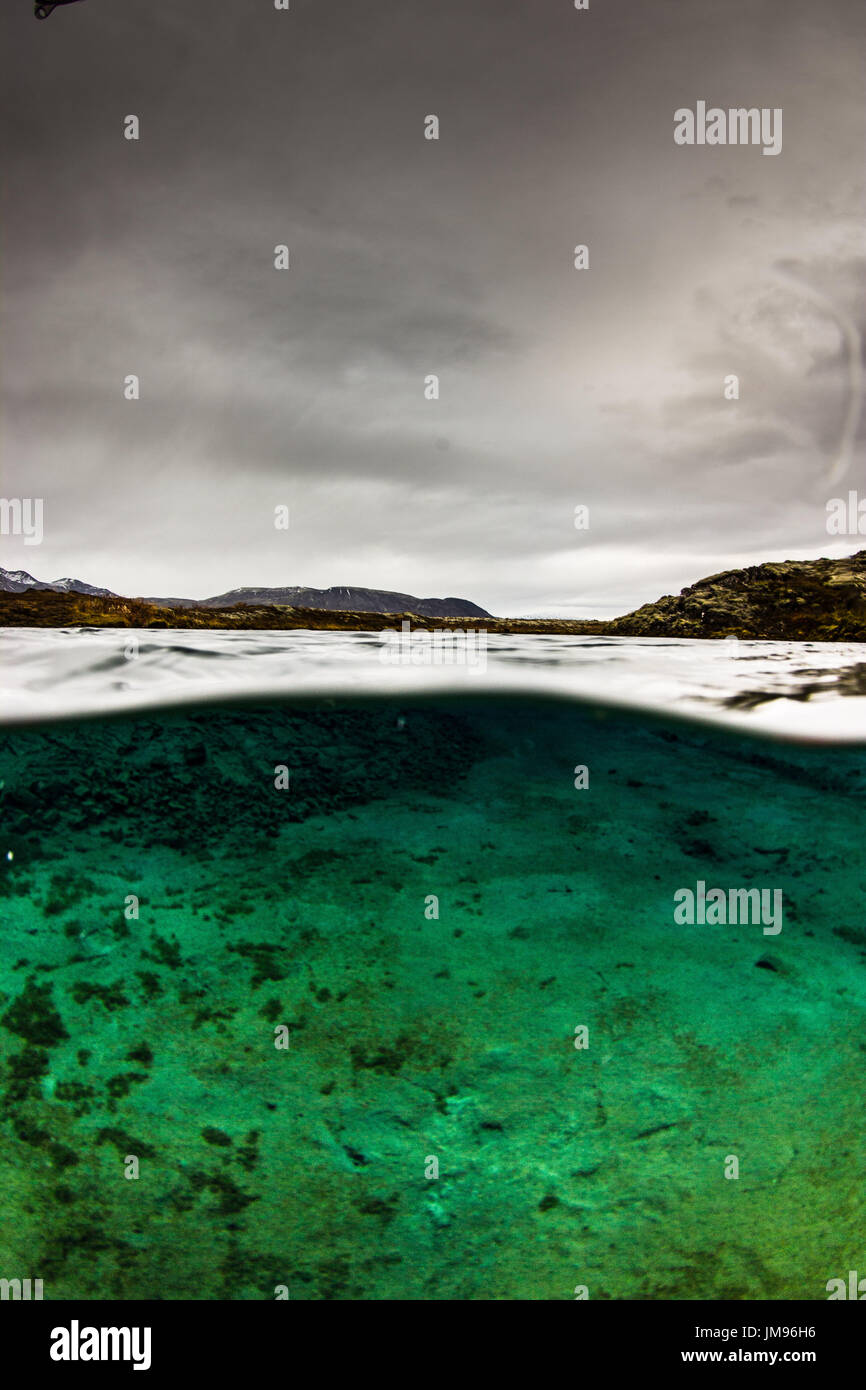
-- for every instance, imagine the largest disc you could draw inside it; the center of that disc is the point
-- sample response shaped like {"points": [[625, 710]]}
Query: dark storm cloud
{"points": [[409, 258]]}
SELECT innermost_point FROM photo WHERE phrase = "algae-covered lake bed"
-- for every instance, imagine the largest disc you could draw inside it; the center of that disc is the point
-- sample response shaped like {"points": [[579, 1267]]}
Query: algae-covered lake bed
{"points": [[386, 999]]}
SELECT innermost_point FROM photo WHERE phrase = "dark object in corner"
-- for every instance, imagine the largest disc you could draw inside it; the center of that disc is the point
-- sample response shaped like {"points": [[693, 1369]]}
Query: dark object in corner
{"points": [[43, 11]]}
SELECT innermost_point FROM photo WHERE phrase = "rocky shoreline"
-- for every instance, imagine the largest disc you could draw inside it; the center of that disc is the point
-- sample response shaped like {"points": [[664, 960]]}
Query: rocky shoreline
{"points": [[794, 600]]}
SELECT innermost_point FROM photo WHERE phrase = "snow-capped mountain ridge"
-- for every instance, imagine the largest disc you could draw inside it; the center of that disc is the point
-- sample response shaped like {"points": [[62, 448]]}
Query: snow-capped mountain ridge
{"points": [[359, 600]]}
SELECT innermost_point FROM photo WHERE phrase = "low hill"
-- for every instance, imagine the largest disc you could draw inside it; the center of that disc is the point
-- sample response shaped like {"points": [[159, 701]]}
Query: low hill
{"points": [[797, 600]]}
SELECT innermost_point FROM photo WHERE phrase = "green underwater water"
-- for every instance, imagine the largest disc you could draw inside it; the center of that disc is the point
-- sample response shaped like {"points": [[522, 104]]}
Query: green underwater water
{"points": [[426, 914]]}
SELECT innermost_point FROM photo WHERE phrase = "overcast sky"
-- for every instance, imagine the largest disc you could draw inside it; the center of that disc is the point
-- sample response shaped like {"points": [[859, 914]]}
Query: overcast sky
{"points": [[559, 387]]}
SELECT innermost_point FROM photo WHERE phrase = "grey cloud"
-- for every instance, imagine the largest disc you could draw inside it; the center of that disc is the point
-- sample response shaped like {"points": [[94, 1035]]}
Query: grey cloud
{"points": [[412, 257]]}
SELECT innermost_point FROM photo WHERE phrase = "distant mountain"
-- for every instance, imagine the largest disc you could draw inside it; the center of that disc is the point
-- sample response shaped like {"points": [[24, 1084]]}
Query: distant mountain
{"points": [[20, 582], [340, 600], [78, 586], [325, 600]]}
